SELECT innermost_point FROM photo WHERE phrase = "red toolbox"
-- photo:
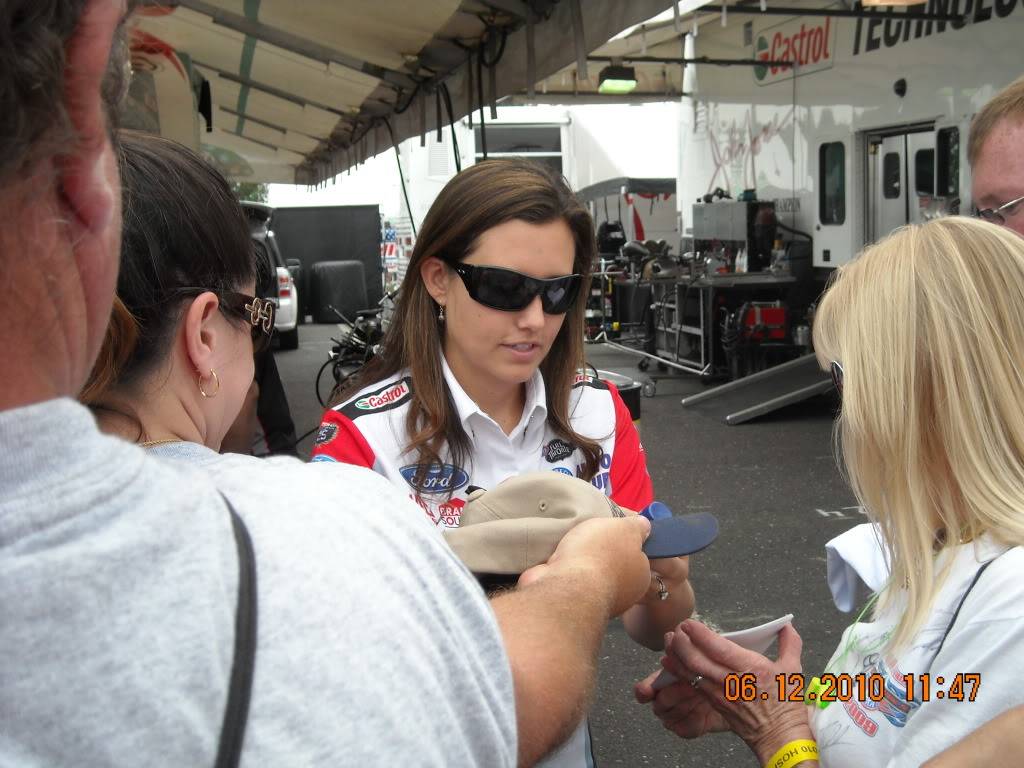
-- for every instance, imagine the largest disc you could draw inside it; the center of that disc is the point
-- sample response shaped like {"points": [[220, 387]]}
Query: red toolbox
{"points": [[765, 321]]}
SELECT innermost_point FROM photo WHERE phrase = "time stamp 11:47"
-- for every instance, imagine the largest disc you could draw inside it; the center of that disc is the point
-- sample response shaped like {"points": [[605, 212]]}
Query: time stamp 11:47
{"points": [[862, 687]]}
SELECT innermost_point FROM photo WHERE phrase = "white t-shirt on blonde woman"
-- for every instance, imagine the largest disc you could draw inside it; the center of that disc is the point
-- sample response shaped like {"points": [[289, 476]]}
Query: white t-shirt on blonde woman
{"points": [[979, 658]]}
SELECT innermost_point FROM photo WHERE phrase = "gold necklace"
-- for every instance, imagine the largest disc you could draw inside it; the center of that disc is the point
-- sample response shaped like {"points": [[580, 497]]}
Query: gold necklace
{"points": [[151, 443]]}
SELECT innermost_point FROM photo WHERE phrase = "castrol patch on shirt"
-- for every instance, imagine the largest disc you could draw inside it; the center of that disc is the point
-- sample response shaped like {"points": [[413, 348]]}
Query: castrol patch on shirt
{"points": [[387, 397]]}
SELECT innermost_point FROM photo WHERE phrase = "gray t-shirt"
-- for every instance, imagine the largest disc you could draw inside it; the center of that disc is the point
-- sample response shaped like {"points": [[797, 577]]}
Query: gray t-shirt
{"points": [[118, 585]]}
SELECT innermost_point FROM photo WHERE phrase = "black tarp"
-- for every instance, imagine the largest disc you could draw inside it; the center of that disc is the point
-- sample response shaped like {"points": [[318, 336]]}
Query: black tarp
{"points": [[332, 233]]}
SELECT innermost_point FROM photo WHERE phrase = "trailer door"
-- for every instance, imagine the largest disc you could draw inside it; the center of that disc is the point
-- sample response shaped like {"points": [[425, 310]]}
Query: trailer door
{"points": [[920, 176], [887, 198], [830, 165], [900, 179]]}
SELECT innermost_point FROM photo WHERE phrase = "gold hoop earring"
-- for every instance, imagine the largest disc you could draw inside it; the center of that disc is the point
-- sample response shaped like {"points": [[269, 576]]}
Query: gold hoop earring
{"points": [[216, 380], [440, 313]]}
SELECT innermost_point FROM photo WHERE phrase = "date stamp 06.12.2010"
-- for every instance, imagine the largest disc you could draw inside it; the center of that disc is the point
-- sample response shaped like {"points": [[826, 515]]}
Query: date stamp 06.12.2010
{"points": [[962, 686]]}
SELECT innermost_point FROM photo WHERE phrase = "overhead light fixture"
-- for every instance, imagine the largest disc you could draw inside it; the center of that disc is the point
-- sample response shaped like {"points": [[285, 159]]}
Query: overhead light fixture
{"points": [[884, 3], [617, 79]]}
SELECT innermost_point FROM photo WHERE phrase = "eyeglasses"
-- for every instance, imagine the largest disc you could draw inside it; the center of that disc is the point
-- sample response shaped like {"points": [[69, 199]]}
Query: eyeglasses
{"points": [[998, 215], [512, 291], [257, 312], [837, 377]]}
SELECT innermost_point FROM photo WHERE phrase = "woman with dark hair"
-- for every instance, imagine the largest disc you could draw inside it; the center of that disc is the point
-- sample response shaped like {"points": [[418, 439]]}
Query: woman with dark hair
{"points": [[177, 361], [480, 377]]}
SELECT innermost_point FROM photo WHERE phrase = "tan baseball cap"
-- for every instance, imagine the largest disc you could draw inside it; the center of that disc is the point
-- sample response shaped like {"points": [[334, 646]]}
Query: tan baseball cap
{"points": [[519, 523]]}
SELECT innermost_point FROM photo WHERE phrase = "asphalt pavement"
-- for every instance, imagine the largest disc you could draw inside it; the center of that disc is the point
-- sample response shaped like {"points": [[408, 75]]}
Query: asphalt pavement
{"points": [[778, 495]]}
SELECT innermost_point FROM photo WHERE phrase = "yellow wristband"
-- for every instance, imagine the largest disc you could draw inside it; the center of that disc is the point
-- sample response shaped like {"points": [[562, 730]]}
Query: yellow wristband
{"points": [[795, 752]]}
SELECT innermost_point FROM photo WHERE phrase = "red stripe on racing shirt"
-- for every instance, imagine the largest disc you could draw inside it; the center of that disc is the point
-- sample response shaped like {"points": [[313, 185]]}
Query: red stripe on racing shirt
{"points": [[631, 483], [338, 439]]}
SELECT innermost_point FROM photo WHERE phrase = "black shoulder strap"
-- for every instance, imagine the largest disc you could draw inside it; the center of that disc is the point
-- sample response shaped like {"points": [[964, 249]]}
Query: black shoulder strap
{"points": [[236, 713], [956, 613]]}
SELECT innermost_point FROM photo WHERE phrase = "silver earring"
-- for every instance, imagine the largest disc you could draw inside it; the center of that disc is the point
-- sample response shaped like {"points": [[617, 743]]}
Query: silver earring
{"points": [[440, 313]]}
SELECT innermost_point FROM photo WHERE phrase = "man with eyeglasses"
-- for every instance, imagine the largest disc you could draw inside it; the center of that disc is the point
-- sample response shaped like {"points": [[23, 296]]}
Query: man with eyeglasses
{"points": [[995, 151]]}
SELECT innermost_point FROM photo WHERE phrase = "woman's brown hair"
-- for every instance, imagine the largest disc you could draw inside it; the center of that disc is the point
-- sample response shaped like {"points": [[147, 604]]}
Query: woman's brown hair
{"points": [[482, 197]]}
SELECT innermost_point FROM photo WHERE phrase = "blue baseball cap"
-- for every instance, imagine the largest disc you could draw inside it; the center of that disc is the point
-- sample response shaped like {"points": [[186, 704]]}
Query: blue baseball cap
{"points": [[675, 536]]}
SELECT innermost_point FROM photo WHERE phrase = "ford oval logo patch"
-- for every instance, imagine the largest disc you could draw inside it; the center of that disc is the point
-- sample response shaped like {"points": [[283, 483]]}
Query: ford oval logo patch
{"points": [[434, 478]]}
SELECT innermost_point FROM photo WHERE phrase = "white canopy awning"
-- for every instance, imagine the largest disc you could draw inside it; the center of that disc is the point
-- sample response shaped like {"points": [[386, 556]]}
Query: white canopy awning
{"points": [[299, 90]]}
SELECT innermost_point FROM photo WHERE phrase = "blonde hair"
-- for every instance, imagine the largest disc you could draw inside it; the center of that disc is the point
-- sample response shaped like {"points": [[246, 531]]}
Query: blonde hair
{"points": [[929, 329], [1007, 104]]}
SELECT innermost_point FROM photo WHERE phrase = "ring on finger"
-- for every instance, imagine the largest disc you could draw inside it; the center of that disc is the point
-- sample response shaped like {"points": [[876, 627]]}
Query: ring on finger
{"points": [[696, 681], [662, 589]]}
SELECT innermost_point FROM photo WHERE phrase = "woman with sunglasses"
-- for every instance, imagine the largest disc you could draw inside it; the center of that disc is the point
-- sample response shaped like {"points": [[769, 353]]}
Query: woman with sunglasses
{"points": [[480, 374], [924, 336], [177, 362]]}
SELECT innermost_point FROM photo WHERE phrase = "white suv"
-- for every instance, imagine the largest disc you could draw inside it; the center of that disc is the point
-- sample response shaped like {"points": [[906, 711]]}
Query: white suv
{"points": [[275, 281]]}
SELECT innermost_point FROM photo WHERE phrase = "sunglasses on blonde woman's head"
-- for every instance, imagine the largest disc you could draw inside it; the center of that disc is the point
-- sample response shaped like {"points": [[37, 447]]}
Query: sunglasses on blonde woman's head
{"points": [[512, 291], [837, 376]]}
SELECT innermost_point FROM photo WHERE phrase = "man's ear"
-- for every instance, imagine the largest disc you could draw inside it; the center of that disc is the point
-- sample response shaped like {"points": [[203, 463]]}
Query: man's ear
{"points": [[435, 275], [201, 336], [87, 183]]}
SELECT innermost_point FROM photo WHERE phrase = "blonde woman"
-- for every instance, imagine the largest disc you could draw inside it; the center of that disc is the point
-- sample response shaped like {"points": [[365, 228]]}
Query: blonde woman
{"points": [[924, 334]]}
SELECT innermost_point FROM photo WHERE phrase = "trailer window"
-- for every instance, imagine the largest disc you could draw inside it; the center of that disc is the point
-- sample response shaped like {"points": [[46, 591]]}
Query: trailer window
{"points": [[891, 175], [947, 147], [832, 183], [924, 172]]}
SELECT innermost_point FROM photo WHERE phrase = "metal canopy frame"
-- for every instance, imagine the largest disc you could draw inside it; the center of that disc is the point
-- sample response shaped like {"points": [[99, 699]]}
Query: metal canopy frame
{"points": [[855, 13], [697, 60]]}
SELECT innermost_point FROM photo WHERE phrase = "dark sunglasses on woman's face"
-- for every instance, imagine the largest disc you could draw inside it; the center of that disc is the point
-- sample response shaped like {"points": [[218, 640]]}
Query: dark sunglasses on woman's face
{"points": [[512, 291], [256, 312]]}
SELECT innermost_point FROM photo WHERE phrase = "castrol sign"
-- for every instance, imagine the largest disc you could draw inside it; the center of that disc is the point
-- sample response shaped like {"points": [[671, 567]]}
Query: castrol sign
{"points": [[807, 42]]}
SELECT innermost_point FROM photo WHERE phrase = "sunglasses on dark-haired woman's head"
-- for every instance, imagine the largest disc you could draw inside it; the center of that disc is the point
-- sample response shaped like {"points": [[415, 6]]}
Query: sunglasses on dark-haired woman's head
{"points": [[256, 312], [511, 291]]}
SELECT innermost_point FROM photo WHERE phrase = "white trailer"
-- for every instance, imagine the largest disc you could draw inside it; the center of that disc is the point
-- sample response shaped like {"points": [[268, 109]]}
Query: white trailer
{"points": [[867, 132]]}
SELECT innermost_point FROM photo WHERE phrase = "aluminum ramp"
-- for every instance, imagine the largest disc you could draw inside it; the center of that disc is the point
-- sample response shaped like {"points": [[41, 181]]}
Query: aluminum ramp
{"points": [[763, 392]]}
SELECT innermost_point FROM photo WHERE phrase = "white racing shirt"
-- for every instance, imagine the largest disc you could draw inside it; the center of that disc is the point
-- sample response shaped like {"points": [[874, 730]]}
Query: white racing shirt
{"points": [[370, 430]]}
